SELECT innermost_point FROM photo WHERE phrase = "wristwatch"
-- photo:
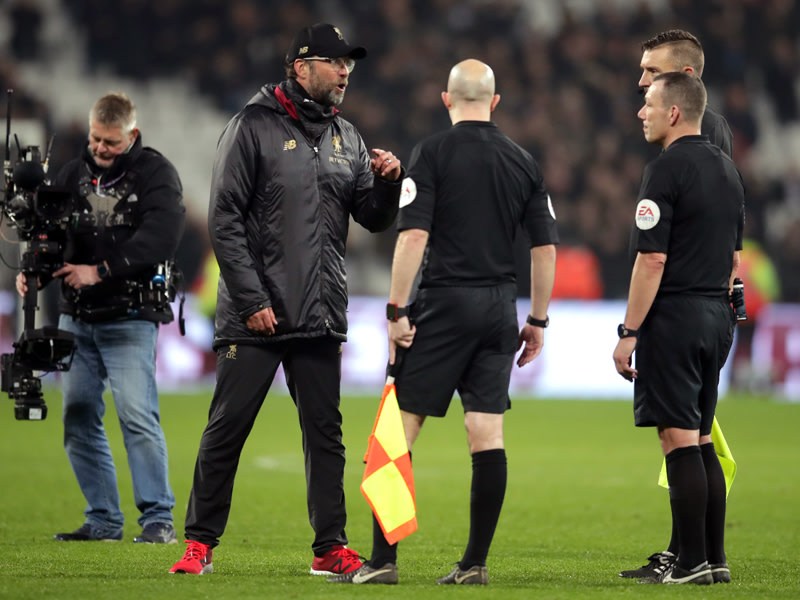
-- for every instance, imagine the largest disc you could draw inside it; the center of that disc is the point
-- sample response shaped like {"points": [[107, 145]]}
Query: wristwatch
{"points": [[538, 322], [394, 312], [102, 270], [624, 332]]}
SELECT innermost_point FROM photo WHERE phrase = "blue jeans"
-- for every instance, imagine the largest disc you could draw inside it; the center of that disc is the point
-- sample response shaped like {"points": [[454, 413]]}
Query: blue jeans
{"points": [[124, 352]]}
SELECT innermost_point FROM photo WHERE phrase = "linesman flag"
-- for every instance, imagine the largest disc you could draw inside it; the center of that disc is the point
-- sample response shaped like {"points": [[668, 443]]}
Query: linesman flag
{"points": [[388, 483], [723, 454]]}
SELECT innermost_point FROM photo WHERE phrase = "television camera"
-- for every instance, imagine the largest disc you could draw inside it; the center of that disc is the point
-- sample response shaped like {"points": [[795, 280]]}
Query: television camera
{"points": [[40, 214]]}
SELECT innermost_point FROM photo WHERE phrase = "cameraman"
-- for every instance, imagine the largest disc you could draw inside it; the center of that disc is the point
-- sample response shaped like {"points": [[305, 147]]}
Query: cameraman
{"points": [[128, 218]]}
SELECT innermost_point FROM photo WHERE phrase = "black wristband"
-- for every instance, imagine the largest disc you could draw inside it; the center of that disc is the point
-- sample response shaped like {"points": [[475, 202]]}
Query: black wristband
{"points": [[623, 332], [394, 312], [538, 322]]}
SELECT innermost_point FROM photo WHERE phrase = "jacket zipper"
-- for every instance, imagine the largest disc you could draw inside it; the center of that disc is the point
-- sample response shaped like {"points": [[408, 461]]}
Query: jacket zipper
{"points": [[328, 325]]}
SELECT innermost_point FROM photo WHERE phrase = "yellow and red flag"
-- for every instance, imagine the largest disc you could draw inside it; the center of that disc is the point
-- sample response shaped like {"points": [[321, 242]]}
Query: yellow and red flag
{"points": [[388, 482]]}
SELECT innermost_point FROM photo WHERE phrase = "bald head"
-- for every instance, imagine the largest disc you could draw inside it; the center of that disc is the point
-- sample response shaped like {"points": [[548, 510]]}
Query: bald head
{"points": [[471, 81], [470, 91]]}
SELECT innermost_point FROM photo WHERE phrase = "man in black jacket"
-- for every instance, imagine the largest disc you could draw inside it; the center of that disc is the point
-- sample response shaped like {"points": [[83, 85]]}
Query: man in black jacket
{"points": [[128, 219], [288, 175]]}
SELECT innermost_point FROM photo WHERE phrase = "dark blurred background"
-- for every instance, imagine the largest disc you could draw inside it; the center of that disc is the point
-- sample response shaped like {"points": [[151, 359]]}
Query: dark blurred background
{"points": [[567, 72]]}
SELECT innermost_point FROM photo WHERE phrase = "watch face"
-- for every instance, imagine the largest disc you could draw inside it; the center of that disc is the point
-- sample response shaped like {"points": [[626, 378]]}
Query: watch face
{"points": [[538, 322], [391, 312]]}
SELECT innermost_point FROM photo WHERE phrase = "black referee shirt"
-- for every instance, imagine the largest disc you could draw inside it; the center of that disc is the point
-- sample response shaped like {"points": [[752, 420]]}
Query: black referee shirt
{"points": [[691, 207], [470, 187], [716, 128]]}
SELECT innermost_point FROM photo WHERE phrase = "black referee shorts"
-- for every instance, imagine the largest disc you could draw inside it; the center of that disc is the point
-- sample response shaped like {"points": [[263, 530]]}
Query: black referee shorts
{"points": [[466, 341], [683, 344]]}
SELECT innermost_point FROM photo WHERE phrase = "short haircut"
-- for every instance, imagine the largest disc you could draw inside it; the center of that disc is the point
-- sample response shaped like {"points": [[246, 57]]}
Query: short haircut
{"points": [[115, 109], [686, 91], [685, 49]]}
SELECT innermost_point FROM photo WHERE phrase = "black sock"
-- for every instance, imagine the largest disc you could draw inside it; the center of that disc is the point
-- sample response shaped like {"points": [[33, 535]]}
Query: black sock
{"points": [[674, 542], [688, 495], [382, 551], [715, 509], [489, 476]]}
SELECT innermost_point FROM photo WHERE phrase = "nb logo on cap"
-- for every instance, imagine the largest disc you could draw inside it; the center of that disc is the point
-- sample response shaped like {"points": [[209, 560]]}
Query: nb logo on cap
{"points": [[339, 33], [303, 50]]}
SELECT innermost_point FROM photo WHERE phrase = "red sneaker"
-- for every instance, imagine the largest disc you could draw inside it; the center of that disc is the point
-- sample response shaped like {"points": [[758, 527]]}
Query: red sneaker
{"points": [[336, 561], [196, 560]]}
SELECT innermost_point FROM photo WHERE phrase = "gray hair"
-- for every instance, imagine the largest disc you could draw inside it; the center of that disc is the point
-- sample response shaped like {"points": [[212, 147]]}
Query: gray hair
{"points": [[115, 109]]}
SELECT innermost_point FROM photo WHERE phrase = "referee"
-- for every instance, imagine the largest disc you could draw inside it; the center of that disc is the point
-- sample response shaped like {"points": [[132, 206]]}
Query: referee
{"points": [[679, 50], [468, 191], [689, 221], [667, 51]]}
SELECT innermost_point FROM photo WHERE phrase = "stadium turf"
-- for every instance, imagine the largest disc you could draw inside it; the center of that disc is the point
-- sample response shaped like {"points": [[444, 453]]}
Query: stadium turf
{"points": [[582, 503]]}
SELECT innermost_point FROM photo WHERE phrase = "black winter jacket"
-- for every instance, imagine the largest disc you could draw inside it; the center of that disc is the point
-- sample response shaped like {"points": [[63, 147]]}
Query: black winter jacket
{"points": [[142, 196], [278, 219]]}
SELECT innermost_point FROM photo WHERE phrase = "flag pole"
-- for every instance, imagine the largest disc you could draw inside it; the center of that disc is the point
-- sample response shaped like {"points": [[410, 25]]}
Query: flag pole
{"points": [[388, 481]]}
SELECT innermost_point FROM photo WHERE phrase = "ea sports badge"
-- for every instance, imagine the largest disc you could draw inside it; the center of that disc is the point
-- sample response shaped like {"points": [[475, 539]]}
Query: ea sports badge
{"points": [[647, 214], [408, 192]]}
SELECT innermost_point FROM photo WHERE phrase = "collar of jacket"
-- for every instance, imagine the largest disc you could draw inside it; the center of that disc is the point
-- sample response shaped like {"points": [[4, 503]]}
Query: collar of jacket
{"points": [[287, 104], [291, 94], [121, 163]]}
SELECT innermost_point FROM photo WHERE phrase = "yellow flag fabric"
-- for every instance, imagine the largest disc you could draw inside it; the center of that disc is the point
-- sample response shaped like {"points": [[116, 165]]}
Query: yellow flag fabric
{"points": [[723, 453], [388, 482]]}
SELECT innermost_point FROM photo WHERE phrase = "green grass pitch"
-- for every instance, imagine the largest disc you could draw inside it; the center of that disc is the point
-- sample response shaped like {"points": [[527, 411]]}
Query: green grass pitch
{"points": [[582, 503]]}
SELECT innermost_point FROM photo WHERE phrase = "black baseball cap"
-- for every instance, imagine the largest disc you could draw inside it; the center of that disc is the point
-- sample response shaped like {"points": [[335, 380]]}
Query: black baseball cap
{"points": [[322, 39]]}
